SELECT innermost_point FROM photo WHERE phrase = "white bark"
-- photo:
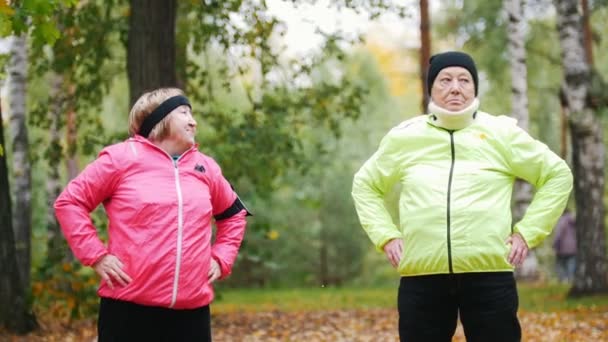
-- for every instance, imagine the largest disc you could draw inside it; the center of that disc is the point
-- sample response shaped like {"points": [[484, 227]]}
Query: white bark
{"points": [[17, 80], [57, 250], [517, 56], [516, 46], [588, 155]]}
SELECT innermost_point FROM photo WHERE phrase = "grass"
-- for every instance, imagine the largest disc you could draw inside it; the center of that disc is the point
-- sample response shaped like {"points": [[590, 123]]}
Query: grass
{"points": [[532, 297], [304, 299], [552, 297]]}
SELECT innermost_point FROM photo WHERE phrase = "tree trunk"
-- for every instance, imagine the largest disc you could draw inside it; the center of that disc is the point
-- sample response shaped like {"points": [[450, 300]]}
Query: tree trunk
{"points": [[151, 46], [587, 155], [516, 46], [57, 249], [22, 215], [323, 255], [587, 36], [425, 50], [14, 314], [563, 124], [71, 135]]}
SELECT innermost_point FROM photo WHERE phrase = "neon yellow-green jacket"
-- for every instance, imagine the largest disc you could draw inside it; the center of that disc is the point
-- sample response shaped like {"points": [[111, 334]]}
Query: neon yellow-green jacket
{"points": [[456, 187]]}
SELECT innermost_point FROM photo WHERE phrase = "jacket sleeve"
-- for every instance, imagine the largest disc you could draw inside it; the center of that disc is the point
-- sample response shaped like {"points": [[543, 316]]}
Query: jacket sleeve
{"points": [[82, 195], [534, 162], [231, 229], [370, 185]]}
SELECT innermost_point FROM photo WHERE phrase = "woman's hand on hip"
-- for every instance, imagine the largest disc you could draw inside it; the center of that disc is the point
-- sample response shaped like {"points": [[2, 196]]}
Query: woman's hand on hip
{"points": [[214, 271], [109, 267], [519, 249], [394, 250]]}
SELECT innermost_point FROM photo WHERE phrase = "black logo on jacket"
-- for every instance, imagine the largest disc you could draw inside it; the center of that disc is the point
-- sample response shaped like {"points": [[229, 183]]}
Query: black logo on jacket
{"points": [[199, 168]]}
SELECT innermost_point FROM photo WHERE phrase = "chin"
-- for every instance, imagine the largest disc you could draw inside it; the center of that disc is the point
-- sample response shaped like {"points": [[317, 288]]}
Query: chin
{"points": [[455, 108]]}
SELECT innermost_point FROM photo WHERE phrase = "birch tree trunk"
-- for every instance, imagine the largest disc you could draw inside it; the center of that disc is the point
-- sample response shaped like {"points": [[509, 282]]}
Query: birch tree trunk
{"points": [[57, 249], [587, 34], [516, 46], [22, 215], [71, 133], [14, 313], [587, 155], [425, 51]]}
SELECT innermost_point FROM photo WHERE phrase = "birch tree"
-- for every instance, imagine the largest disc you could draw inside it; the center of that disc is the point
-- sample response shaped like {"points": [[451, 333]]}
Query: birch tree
{"points": [[22, 17], [22, 215], [425, 50], [13, 306], [588, 160], [516, 40], [57, 250]]}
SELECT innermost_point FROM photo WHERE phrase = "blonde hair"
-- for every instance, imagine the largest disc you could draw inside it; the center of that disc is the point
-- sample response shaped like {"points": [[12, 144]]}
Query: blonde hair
{"points": [[144, 106]]}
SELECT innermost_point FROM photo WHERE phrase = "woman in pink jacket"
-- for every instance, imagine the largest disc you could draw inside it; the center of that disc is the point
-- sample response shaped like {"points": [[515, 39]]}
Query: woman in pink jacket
{"points": [[160, 195]]}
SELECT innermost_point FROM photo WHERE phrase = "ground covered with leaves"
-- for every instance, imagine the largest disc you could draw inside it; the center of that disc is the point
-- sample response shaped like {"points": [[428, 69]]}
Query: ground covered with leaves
{"points": [[345, 325]]}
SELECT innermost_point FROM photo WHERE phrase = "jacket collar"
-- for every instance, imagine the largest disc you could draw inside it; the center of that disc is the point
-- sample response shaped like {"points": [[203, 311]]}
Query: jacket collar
{"points": [[147, 142]]}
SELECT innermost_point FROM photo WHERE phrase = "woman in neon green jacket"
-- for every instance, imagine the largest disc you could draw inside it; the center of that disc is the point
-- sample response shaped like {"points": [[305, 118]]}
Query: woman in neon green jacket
{"points": [[455, 246]]}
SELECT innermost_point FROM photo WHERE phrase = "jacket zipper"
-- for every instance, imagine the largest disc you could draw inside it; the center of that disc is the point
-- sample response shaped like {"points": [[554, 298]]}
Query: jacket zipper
{"points": [[448, 199], [180, 223]]}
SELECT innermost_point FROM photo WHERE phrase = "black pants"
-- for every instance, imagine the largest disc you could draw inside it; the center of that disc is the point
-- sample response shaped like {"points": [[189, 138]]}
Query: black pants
{"points": [[486, 302], [125, 321]]}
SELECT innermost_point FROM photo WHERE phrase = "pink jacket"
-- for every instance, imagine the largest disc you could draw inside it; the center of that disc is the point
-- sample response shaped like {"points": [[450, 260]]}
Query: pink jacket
{"points": [[160, 213]]}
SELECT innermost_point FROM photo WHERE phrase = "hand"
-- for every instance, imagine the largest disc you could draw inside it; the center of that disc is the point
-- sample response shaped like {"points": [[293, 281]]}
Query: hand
{"points": [[110, 268], [519, 249], [214, 271], [393, 250]]}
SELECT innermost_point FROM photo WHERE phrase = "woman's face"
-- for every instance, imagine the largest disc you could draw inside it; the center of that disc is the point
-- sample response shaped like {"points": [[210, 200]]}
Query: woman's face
{"points": [[182, 127], [453, 89]]}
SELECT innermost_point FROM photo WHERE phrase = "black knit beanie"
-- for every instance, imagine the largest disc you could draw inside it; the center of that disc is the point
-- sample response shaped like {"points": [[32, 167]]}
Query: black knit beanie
{"points": [[448, 59]]}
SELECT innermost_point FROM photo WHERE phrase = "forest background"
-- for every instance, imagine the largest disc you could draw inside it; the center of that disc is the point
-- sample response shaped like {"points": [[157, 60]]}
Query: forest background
{"points": [[289, 122]]}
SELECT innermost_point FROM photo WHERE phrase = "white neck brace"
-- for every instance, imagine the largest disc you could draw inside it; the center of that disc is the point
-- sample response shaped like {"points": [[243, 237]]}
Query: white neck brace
{"points": [[444, 118]]}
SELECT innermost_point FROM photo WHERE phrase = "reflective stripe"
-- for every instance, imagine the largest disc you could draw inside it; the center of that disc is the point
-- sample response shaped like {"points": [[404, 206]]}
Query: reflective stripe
{"points": [[180, 224], [133, 148]]}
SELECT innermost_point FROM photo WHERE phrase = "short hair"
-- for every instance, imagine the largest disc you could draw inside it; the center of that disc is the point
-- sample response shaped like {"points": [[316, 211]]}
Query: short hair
{"points": [[145, 105]]}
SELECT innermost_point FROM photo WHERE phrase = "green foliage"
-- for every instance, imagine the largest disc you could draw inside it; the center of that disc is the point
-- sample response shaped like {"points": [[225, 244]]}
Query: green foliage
{"points": [[85, 57], [313, 210], [373, 9], [275, 126], [64, 288], [33, 17], [480, 29]]}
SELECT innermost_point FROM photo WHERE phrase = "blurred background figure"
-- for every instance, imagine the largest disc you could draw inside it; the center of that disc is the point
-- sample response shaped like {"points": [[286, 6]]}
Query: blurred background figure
{"points": [[564, 245]]}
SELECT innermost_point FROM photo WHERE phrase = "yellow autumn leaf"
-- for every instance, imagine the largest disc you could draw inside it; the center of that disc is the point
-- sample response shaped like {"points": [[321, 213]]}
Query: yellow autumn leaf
{"points": [[272, 235], [6, 9]]}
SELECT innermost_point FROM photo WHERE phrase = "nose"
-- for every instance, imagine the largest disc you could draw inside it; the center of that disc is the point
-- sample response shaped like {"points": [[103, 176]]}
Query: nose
{"points": [[191, 121], [454, 87]]}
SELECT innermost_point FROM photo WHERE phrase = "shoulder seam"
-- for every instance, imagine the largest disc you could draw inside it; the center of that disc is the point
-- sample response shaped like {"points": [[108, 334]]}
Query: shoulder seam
{"points": [[407, 123]]}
